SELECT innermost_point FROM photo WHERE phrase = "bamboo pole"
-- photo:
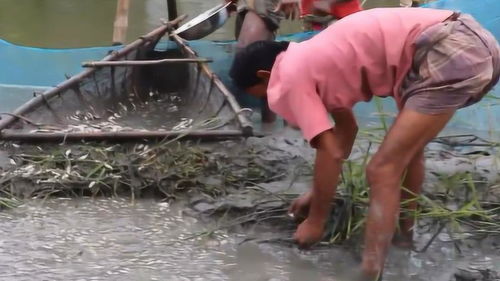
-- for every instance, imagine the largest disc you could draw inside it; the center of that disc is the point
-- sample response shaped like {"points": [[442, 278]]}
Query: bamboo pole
{"points": [[172, 9], [143, 62], [121, 22], [10, 135], [47, 95]]}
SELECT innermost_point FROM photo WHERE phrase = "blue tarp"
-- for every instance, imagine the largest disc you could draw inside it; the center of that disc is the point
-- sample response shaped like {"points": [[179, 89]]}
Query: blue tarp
{"points": [[487, 12], [26, 70], [21, 65]]}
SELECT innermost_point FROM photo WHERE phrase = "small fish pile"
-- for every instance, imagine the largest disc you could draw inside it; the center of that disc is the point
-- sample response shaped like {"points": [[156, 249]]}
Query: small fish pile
{"points": [[169, 169], [159, 113]]}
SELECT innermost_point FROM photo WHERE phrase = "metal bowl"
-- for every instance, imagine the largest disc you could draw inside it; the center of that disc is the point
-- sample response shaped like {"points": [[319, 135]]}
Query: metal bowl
{"points": [[205, 23]]}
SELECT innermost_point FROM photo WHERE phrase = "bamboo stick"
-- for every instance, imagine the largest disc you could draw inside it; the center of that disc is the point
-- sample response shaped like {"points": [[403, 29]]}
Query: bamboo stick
{"points": [[246, 125], [143, 62], [34, 102], [11, 135], [121, 22]]}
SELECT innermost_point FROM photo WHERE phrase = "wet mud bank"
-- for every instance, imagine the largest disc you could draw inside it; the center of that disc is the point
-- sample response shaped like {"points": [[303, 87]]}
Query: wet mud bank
{"points": [[244, 187]]}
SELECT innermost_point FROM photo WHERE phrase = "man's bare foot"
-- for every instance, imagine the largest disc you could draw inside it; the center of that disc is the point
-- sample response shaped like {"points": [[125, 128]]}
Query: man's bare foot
{"points": [[300, 207]]}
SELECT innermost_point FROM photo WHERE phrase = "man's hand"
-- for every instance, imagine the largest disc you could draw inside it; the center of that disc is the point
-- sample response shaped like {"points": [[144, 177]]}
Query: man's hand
{"points": [[332, 146], [308, 233], [291, 8], [300, 207]]}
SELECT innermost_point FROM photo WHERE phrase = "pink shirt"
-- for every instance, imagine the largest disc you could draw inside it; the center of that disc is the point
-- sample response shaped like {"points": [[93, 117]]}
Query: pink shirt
{"points": [[363, 55]]}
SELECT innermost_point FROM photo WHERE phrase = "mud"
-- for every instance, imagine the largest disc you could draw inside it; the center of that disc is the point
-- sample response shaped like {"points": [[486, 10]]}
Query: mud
{"points": [[204, 238], [114, 239]]}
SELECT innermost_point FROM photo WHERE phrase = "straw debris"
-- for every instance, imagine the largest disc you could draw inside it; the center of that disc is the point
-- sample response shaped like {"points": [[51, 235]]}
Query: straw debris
{"points": [[170, 169]]}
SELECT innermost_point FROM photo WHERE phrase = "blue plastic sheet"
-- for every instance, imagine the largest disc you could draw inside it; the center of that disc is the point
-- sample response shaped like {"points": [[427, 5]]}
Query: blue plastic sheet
{"points": [[487, 12], [20, 65], [27, 70]]}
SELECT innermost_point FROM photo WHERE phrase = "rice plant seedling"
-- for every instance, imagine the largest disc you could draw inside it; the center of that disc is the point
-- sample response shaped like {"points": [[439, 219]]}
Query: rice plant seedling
{"points": [[381, 114], [9, 202]]}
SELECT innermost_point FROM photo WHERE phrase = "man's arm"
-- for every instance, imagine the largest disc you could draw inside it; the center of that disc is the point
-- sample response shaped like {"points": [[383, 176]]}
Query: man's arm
{"points": [[346, 129], [332, 147]]}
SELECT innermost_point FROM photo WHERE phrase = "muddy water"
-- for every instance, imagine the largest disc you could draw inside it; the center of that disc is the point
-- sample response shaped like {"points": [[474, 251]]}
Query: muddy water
{"points": [[77, 23], [113, 240], [108, 239]]}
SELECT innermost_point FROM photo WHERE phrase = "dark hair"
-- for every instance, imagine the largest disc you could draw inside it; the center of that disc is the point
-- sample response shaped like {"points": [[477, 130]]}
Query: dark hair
{"points": [[259, 55]]}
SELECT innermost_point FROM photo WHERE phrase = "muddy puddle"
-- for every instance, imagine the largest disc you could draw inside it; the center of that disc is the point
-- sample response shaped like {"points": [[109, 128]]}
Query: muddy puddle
{"points": [[113, 239]]}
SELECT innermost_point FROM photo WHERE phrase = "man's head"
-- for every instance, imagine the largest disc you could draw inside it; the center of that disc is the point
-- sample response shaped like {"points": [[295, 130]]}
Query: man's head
{"points": [[252, 66]]}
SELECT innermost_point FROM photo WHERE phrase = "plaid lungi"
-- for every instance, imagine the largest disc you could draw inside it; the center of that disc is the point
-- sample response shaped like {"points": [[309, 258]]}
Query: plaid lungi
{"points": [[456, 63]]}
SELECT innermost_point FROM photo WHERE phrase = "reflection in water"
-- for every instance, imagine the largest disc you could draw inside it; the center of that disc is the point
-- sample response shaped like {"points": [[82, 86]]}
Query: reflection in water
{"points": [[77, 23]]}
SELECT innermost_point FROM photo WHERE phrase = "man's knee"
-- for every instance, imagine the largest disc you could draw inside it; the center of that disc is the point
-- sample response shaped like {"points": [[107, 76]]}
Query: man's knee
{"points": [[383, 167], [418, 158]]}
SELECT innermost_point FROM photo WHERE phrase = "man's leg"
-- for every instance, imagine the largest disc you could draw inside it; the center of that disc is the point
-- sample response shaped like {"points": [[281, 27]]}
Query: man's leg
{"points": [[250, 28], [406, 138], [253, 29], [412, 184]]}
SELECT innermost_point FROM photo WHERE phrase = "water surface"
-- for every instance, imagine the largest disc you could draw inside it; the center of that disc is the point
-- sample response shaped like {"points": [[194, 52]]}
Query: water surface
{"points": [[78, 23], [113, 239]]}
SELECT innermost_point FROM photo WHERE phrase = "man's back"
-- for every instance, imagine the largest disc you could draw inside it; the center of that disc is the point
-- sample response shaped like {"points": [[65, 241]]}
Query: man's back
{"points": [[365, 54]]}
